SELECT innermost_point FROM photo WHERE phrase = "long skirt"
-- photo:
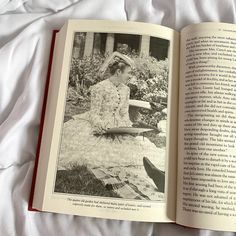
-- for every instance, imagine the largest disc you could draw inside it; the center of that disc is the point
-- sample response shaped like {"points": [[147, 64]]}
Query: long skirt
{"points": [[80, 146]]}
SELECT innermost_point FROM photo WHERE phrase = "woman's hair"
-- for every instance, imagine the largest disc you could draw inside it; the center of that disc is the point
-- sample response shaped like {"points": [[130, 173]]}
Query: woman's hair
{"points": [[116, 61], [117, 64]]}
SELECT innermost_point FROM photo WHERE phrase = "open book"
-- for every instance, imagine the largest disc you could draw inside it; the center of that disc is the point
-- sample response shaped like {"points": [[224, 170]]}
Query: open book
{"points": [[181, 83]]}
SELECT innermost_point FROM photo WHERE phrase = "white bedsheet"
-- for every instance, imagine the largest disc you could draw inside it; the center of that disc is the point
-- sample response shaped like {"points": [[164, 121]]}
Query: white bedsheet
{"points": [[25, 34]]}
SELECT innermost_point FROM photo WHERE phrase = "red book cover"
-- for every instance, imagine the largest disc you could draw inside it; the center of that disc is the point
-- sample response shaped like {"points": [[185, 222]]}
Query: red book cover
{"points": [[30, 207]]}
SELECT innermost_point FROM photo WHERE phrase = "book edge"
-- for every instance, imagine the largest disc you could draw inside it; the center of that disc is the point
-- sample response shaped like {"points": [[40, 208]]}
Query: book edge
{"points": [[31, 197]]}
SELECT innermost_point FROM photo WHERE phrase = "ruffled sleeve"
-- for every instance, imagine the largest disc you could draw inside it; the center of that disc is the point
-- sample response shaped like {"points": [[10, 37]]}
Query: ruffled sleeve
{"points": [[124, 111]]}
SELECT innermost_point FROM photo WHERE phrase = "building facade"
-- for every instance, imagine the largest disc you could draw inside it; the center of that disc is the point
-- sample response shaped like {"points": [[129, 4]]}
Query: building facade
{"points": [[87, 44]]}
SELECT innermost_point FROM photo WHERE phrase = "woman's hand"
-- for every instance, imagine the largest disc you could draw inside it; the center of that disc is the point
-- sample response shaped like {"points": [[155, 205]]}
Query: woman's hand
{"points": [[100, 128]]}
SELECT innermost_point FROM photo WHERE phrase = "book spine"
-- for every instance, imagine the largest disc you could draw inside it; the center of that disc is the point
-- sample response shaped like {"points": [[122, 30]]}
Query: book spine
{"points": [[31, 197]]}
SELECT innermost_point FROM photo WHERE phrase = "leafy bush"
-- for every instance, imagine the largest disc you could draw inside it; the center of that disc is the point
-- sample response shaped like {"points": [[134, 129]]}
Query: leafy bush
{"points": [[84, 73], [150, 83]]}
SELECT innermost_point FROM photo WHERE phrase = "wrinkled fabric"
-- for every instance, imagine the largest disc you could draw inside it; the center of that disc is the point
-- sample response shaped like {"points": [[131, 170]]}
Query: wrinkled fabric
{"points": [[25, 36]]}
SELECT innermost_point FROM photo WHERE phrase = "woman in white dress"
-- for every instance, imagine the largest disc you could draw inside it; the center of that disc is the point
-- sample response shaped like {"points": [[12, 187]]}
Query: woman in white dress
{"points": [[84, 139]]}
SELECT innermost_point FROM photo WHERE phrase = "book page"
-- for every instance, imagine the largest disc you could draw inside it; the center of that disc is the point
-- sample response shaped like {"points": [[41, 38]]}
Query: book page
{"points": [[207, 130], [118, 175]]}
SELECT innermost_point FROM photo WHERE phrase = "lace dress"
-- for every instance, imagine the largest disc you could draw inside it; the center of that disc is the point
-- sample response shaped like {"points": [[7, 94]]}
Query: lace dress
{"points": [[82, 145]]}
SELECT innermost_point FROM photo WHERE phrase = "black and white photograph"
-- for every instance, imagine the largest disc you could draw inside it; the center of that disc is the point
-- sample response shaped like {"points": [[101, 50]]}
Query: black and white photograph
{"points": [[113, 138]]}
